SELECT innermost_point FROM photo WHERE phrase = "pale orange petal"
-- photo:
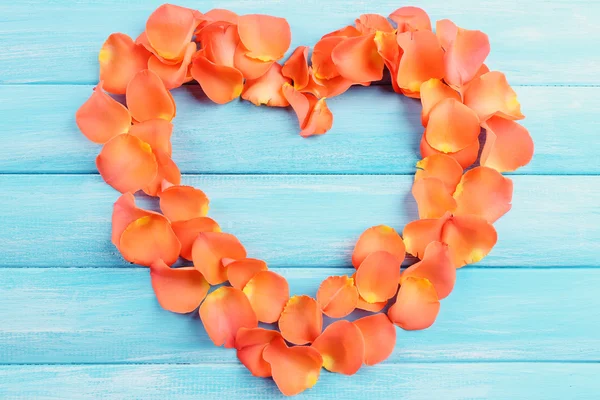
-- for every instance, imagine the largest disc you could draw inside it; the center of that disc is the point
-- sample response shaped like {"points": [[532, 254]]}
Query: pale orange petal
{"points": [[148, 239], [508, 145], [378, 238], [240, 272], [437, 267], [268, 293], [301, 321], [465, 157], [156, 132], [250, 344], [470, 239], [337, 296], [187, 231], [434, 91], [411, 19], [267, 88], [490, 94], [148, 98], [418, 234], [174, 75], [180, 290], [169, 29], [120, 58], [180, 203], [220, 83], [296, 67], [432, 197], [379, 335], [210, 248], [267, 38], [342, 347], [423, 59], [442, 167], [377, 277], [358, 60], [452, 126], [416, 306], [371, 23]]}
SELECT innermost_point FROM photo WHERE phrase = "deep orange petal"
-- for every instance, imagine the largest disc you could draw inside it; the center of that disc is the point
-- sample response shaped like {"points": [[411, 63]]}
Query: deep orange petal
{"points": [[208, 251], [437, 267], [250, 344], [337, 296], [371, 23], [320, 120], [378, 238], [220, 83], [168, 174], [124, 213], [490, 94], [417, 305], [294, 369], [219, 14], [362, 304], [423, 59], [169, 29], [219, 43], [388, 48], [470, 238], [268, 293], [379, 335], [240, 272], [251, 68], [301, 103], [173, 75], [342, 347], [465, 157], [120, 58], [377, 277], [434, 91], [452, 126], [301, 321], [224, 312], [442, 167], [179, 203], [432, 197], [418, 234], [296, 67], [156, 132], [148, 98], [187, 231], [148, 239], [347, 31], [322, 63], [358, 60], [508, 145], [267, 88], [126, 163], [411, 19], [180, 290], [101, 117], [322, 88], [267, 38]]}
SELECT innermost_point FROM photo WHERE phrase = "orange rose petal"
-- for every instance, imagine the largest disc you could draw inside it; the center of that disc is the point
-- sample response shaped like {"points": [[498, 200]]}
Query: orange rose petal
{"points": [[250, 344], [296, 67], [268, 293], [101, 117], [219, 42], [508, 145], [322, 88], [187, 232], [377, 277], [156, 132], [484, 192], [174, 75], [322, 63], [388, 48], [417, 305], [342, 347], [357, 59], [168, 173], [124, 213], [267, 38], [418, 234], [294, 369], [180, 203], [126, 163], [301, 321], [169, 29], [120, 58], [378, 238], [379, 335], [320, 120], [347, 31], [362, 304], [267, 88], [465, 157], [432, 197], [219, 14], [148, 239], [433, 92], [371, 23], [148, 98], [411, 19], [452, 126], [337, 296], [442, 167], [249, 67], [220, 83], [210, 248], [437, 267], [180, 290], [423, 59], [470, 238], [224, 312], [301, 103], [490, 94], [446, 31], [240, 272]]}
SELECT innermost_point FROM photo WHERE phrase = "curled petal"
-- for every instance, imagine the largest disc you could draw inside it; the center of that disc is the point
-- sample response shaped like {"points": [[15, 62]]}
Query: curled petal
{"points": [[268, 293], [417, 305], [250, 344], [452, 126], [434, 91], [437, 267], [180, 290], [294, 369], [168, 174], [155, 132], [320, 120], [126, 163], [362, 304], [101, 117], [442, 167], [358, 60], [224, 312], [267, 38], [240, 272], [220, 83], [432, 197], [411, 19], [173, 75], [120, 59], [423, 59], [148, 239], [337, 296], [208, 251], [301, 103], [219, 42], [180, 203], [377, 277], [371, 23], [296, 67], [124, 213], [251, 68], [418, 234], [148, 98], [321, 88], [470, 238], [169, 29], [342, 347], [378, 238], [490, 94], [301, 321], [187, 231], [508, 145], [388, 48], [267, 88], [322, 63], [465, 157], [379, 335]]}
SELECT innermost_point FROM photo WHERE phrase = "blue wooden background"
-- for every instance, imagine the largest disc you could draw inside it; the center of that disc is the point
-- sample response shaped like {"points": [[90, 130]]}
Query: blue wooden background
{"points": [[77, 322]]}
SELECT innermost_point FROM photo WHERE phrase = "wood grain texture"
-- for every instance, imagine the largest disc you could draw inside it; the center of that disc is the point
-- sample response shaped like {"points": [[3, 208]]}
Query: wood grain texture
{"points": [[240, 138], [534, 42], [66, 315]]}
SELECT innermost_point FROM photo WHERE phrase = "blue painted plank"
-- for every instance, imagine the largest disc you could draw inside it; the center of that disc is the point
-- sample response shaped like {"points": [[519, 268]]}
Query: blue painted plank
{"points": [[534, 42], [375, 131], [65, 315], [293, 220]]}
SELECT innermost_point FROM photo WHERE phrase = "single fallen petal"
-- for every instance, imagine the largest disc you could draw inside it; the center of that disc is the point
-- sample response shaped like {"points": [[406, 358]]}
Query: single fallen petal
{"points": [[490, 94], [322, 63], [465, 157], [250, 344], [296, 67], [148, 239], [508, 145], [240, 272], [169, 29], [179, 203], [423, 59], [126, 163], [432, 197], [168, 174], [378, 238], [484, 192], [101, 117], [357, 59], [187, 231], [120, 58], [362, 304], [220, 83], [342, 347], [224, 312], [418, 234], [250, 68], [437, 267], [470, 238], [442, 167], [337, 296], [208, 251], [301, 321], [434, 91], [124, 213], [388, 48], [411, 19], [156, 132], [452, 126], [267, 88], [294, 369], [416, 306], [377, 277], [267, 38], [268, 293], [371, 23], [173, 75], [180, 290], [148, 98], [379, 335], [320, 120]]}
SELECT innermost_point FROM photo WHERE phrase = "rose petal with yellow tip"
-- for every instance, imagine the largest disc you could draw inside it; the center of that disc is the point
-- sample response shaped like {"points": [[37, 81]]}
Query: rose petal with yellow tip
{"points": [[322, 63], [437, 267], [371, 23], [156, 132], [179, 203], [301, 321], [442, 167], [267, 89], [434, 91], [180, 290], [337, 296], [169, 29], [168, 174], [418, 234], [173, 75], [423, 59], [148, 239], [465, 157], [267, 38], [378, 238], [187, 231], [357, 59], [432, 197], [377, 277], [124, 213], [452, 126], [342, 347], [120, 58], [470, 239], [220, 83], [240, 272], [508, 145], [250, 68], [268, 293], [208, 251], [296, 67], [148, 98], [416, 306], [490, 94]]}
